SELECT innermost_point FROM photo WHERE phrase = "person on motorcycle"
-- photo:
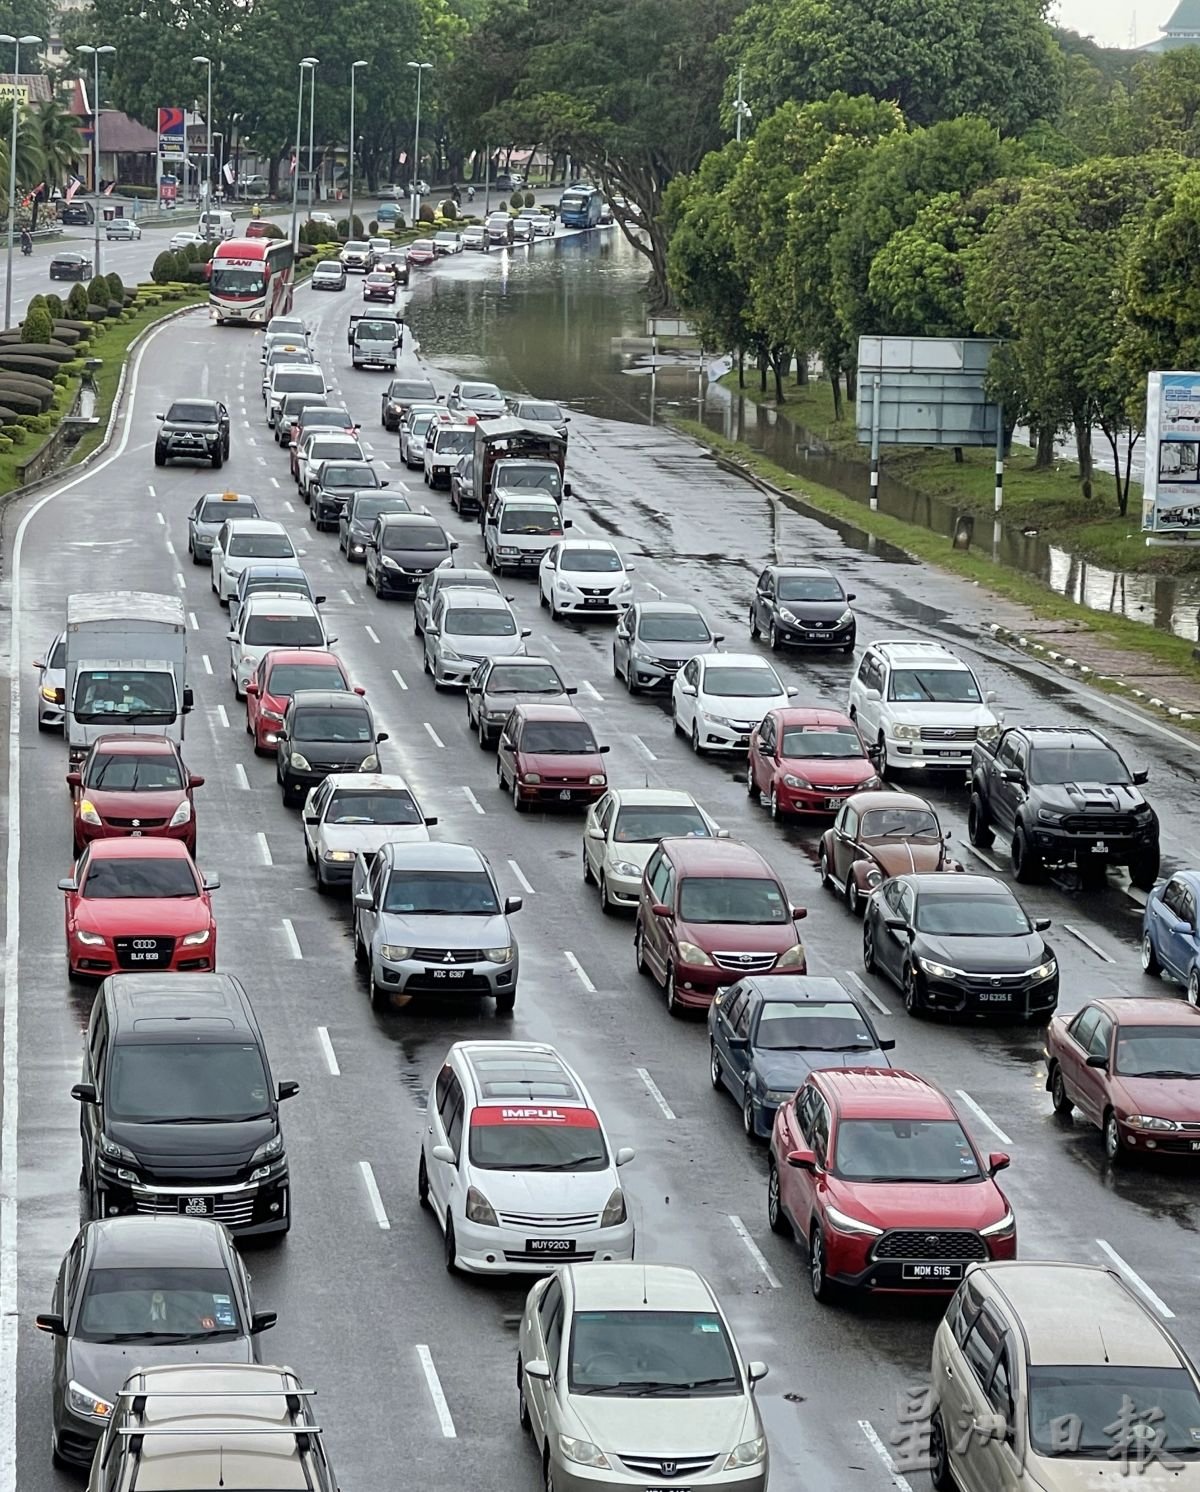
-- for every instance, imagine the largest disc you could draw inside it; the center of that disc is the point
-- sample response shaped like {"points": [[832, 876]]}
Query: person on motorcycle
{"points": [[26, 241], [470, 193], [256, 211]]}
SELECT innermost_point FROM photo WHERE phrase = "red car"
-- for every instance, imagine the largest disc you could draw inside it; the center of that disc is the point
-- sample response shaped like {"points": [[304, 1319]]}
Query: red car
{"points": [[138, 904], [547, 754], [420, 252], [133, 786], [1130, 1067], [877, 835], [380, 285], [279, 674], [872, 1170], [807, 761]]}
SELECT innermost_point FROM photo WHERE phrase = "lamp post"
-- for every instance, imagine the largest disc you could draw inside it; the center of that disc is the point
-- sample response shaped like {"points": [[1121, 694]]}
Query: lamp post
{"points": [[207, 61], [95, 53], [16, 42], [219, 136], [416, 201], [354, 67], [312, 110], [305, 62]]}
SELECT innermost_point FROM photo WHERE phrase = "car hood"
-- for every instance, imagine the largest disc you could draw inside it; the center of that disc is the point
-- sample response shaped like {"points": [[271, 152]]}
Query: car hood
{"points": [[934, 715], [984, 955], [350, 752], [665, 1427], [900, 857], [424, 931], [557, 1192], [635, 854], [417, 559], [104, 1366], [1168, 1098], [787, 1070], [368, 839], [1080, 797], [486, 647], [190, 424], [135, 805], [739, 937], [511, 701], [914, 1204], [593, 580], [576, 766], [213, 1149], [816, 611], [670, 652], [841, 771], [740, 707], [483, 406], [157, 916]]}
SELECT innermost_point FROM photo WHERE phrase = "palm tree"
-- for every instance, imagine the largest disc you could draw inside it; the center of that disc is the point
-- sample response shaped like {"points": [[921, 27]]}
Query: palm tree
{"points": [[59, 137], [29, 147]]}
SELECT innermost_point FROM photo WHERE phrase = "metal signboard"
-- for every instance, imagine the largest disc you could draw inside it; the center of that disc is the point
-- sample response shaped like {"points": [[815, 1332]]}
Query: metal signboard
{"points": [[172, 132], [926, 391], [1171, 485]]}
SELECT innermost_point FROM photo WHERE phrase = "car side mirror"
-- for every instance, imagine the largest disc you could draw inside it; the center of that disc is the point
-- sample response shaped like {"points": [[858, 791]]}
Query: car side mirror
{"points": [[724, 834], [799, 914], [311, 818], [39, 663], [51, 1322], [990, 697], [431, 822], [685, 688], [445, 1155], [568, 523], [802, 1160], [875, 754], [792, 691], [1141, 777], [251, 687], [896, 924], [189, 698], [998, 1161], [625, 1155], [738, 1043], [160, 416], [1100, 1060], [363, 899], [603, 750], [849, 595], [287, 1089], [526, 631], [453, 543], [1014, 774], [262, 1321], [990, 1427], [570, 689], [84, 1092], [874, 695], [594, 832], [386, 483], [756, 1371], [887, 1044], [212, 883], [718, 637], [319, 600], [660, 909], [74, 779], [947, 836], [231, 637], [281, 733], [536, 1368], [513, 904], [69, 883], [1041, 924]]}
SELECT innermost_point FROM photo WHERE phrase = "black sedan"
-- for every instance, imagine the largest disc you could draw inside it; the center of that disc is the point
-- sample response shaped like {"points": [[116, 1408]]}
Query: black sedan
{"points": [[71, 266], [654, 639], [140, 1292], [195, 430], [802, 606], [399, 397], [962, 945], [498, 685], [332, 483]]}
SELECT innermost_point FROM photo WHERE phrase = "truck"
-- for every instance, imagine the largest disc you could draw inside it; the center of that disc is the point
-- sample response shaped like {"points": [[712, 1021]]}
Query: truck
{"points": [[518, 456], [126, 667], [1065, 797], [374, 340]]}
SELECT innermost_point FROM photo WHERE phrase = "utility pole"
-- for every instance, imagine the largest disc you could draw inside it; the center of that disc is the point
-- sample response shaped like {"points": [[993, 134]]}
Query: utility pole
{"points": [[741, 108], [354, 67]]}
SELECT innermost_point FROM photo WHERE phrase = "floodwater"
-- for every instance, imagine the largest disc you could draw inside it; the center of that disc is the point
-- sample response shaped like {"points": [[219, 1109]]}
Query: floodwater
{"points": [[567, 321]]}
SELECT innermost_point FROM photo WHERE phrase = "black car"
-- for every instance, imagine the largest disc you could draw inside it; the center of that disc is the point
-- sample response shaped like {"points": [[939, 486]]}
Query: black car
{"points": [[400, 395], [324, 731], [76, 214], [498, 685], [330, 487], [71, 266], [179, 1113], [654, 639], [802, 606], [155, 1291], [462, 487], [358, 516], [961, 944], [402, 550], [194, 430]]}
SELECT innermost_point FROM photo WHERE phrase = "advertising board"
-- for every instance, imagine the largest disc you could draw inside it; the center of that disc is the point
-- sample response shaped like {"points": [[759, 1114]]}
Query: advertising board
{"points": [[1171, 489]]}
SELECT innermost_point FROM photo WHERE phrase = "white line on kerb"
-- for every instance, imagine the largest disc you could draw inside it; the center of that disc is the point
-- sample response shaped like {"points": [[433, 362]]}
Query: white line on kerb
{"points": [[396, 675], [264, 849], [223, 716], [754, 1251], [473, 801], [372, 634], [983, 1116], [1087, 942], [580, 972], [289, 933], [207, 661], [655, 1093], [1137, 1281], [441, 1408], [327, 1051], [433, 736], [902, 1484], [373, 1196], [520, 875], [637, 741], [866, 993]]}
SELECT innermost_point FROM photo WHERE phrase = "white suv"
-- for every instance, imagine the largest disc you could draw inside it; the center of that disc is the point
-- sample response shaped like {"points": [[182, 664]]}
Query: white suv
{"points": [[921, 703], [516, 1163]]}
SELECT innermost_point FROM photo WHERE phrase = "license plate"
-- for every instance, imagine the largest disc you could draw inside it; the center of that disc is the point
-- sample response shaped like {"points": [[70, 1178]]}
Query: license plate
{"points": [[549, 1245], [565, 795], [833, 802], [135, 834], [931, 1272], [994, 995], [447, 973], [820, 636], [1099, 848], [1196, 1144], [947, 753], [197, 1206], [595, 601]]}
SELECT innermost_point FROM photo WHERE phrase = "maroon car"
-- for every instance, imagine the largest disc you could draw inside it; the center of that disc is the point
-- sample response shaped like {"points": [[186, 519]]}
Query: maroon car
{"points": [[380, 285], [547, 754], [420, 252], [133, 786], [877, 835], [807, 761]]}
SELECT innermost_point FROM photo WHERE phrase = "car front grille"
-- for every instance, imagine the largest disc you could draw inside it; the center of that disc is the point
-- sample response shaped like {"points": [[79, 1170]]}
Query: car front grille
{"points": [[551, 1260], [428, 983], [587, 591], [448, 955], [948, 733], [996, 981], [137, 823], [746, 963], [1100, 823], [913, 1243], [668, 1468], [235, 1211], [554, 1224]]}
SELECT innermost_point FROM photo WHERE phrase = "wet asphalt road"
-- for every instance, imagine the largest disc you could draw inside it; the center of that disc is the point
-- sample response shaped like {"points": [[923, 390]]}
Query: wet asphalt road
{"points": [[356, 1298]]}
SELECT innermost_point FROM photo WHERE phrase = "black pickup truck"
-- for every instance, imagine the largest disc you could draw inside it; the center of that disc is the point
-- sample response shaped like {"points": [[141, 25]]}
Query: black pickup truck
{"points": [[1066, 798]]}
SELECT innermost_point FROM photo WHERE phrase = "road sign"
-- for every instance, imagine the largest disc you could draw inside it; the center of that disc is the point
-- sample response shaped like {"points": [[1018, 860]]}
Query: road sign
{"points": [[932, 391]]}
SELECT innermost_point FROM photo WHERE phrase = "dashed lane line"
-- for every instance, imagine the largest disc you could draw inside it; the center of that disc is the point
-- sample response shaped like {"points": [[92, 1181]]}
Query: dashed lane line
{"points": [[293, 941], [328, 1053], [1135, 1279], [434, 1384], [983, 1116], [373, 1196], [580, 972], [755, 1252], [655, 1093]]}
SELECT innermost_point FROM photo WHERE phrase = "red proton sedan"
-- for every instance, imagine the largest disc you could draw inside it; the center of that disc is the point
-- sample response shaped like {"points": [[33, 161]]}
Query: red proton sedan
{"points": [[547, 754], [279, 674], [138, 904], [807, 761], [133, 786], [420, 252], [872, 1170]]}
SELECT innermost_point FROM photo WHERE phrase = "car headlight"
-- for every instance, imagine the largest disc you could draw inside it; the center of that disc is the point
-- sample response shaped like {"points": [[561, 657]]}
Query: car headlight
{"points": [[113, 1151], [301, 763], [844, 1223], [1006, 1224], [749, 1453], [626, 584], [395, 953], [1044, 971], [358, 548], [501, 955], [874, 878], [87, 812], [531, 777], [906, 732], [688, 953], [507, 549], [788, 616], [83, 1401], [793, 958], [939, 971], [197, 939], [778, 1095], [988, 732], [1048, 816], [369, 763], [388, 562], [269, 1150], [791, 780], [339, 857], [597, 779], [90, 939], [274, 715], [479, 1210], [562, 585], [182, 814], [51, 695], [715, 719], [869, 785], [614, 1209], [1149, 1121], [582, 1452], [449, 655], [626, 868], [845, 619]]}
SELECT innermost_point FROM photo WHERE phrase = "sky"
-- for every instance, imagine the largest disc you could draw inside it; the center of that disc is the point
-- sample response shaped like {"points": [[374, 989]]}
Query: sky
{"points": [[1109, 21]]}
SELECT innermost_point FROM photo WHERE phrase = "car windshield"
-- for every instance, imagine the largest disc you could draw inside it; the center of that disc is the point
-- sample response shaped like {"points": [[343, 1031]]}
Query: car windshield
{"points": [[1158, 1051], [373, 806], [647, 823], [330, 447], [673, 626], [285, 678], [122, 771], [808, 588], [900, 823], [367, 509], [745, 683], [514, 477], [541, 414], [292, 380], [821, 741], [436, 893], [353, 246], [419, 424], [1079, 1411], [332, 724], [489, 622], [594, 561], [284, 632], [904, 1150], [398, 537], [328, 271], [1077, 764], [641, 1353], [377, 331], [521, 520], [538, 678], [204, 1082], [453, 442], [406, 390], [218, 510], [732, 899], [158, 1304], [813, 1026], [261, 546], [971, 916], [184, 413], [348, 476], [101, 695], [293, 586], [558, 738], [541, 1138], [123, 879], [447, 236], [422, 246], [479, 391], [236, 281], [314, 415], [941, 685], [280, 355], [58, 658]]}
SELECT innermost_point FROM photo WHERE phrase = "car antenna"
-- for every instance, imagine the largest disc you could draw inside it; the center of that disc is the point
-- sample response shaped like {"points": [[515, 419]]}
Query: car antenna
{"points": [[221, 1465], [1103, 1343], [644, 1300]]}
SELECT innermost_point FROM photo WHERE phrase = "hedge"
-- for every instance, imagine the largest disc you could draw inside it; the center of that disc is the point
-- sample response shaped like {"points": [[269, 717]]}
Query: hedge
{"points": [[21, 404], [51, 350], [70, 324], [30, 383], [141, 193], [15, 363]]}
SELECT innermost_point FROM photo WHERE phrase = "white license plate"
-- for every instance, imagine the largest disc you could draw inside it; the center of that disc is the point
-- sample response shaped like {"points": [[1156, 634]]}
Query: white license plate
{"points": [[1099, 848], [1196, 1144], [931, 1272], [565, 795], [833, 802], [448, 973], [549, 1245]]}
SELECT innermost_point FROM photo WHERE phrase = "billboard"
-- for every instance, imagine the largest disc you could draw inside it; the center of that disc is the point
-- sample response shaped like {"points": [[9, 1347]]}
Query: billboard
{"points": [[172, 132], [1171, 488], [932, 391], [9, 91]]}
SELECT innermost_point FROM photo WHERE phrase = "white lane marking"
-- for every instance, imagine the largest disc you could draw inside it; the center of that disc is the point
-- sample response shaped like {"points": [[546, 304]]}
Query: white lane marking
{"points": [[289, 933], [474, 801], [151, 491], [754, 1251], [398, 679], [520, 875], [591, 689], [867, 994], [554, 645], [289, 506], [434, 737], [223, 716], [983, 1116], [240, 773], [170, 549], [655, 1093], [373, 1196], [650, 756], [653, 588], [350, 601], [902, 1484], [331, 1060], [193, 623], [372, 634], [434, 1383], [580, 971], [274, 481], [987, 859], [1137, 1281], [1087, 942], [207, 661], [264, 849], [180, 581]]}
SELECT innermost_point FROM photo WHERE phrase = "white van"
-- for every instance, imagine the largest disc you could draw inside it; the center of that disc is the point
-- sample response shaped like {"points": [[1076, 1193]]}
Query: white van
{"points": [[216, 224], [519, 528]]}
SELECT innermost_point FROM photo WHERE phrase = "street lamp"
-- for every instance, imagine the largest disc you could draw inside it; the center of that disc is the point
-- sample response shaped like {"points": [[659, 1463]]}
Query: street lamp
{"points": [[312, 109], [305, 62], [219, 135], [420, 67], [95, 53], [354, 67], [18, 42], [207, 61]]}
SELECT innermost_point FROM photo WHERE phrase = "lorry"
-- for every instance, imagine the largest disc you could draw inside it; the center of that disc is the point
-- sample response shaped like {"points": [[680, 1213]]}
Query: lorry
{"points": [[126, 667], [518, 456], [1065, 797], [374, 340]]}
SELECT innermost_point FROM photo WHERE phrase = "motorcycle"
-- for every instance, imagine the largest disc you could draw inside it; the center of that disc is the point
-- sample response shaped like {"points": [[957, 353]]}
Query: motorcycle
{"points": [[27, 246]]}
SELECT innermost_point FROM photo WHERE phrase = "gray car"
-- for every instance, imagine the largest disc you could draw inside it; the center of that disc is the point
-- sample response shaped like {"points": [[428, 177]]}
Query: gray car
{"points": [[465, 628], [208, 514], [654, 639], [52, 684], [357, 518], [429, 920], [438, 580], [498, 685]]}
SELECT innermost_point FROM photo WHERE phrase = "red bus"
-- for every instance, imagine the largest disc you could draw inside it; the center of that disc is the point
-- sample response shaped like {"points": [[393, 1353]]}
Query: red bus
{"points": [[251, 280]]}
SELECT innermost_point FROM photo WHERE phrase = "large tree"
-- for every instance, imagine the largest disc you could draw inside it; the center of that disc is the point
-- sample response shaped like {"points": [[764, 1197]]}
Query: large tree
{"points": [[706, 279], [1161, 305]]}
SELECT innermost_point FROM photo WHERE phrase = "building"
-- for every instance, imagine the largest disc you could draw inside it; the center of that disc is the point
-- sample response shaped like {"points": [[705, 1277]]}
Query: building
{"points": [[128, 150], [1182, 30]]}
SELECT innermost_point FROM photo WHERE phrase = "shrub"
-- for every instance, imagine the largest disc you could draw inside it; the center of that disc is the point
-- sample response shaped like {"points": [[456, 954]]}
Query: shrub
{"points": [[346, 229], [530, 200], [37, 326], [98, 289], [38, 423], [55, 306], [164, 268], [116, 290], [516, 201], [17, 363], [373, 227], [6, 444], [143, 193], [49, 350], [80, 328], [74, 367], [21, 403], [37, 303], [97, 313], [426, 214]]}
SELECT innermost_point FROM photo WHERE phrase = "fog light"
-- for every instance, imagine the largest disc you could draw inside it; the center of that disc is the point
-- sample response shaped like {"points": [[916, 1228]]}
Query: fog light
{"points": [[112, 1212], [274, 1207]]}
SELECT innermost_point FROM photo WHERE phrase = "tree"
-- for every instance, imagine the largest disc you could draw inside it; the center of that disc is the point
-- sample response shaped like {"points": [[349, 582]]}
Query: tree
{"points": [[29, 148], [60, 140], [1161, 306], [1164, 105], [77, 301], [917, 279]]}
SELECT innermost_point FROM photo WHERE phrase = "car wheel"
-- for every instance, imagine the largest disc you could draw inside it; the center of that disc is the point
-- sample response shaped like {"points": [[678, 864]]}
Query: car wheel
{"points": [[748, 1121], [425, 668], [217, 459], [451, 1248], [422, 1181], [773, 638], [542, 602], [854, 898], [1025, 865], [673, 1005], [1150, 963], [323, 886], [939, 1457], [776, 1217], [516, 796], [1112, 1139], [773, 805], [606, 906], [1058, 1093], [555, 614], [523, 1419], [505, 1001], [869, 963], [1193, 987], [291, 794], [639, 951], [714, 1067], [751, 785], [977, 825], [823, 867], [160, 458], [910, 988], [588, 878], [483, 735], [696, 739], [754, 632], [817, 1278], [360, 953], [380, 999]]}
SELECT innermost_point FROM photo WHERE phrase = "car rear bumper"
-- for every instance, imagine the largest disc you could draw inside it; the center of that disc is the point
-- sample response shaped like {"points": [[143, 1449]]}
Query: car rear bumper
{"points": [[504, 1250], [564, 793]]}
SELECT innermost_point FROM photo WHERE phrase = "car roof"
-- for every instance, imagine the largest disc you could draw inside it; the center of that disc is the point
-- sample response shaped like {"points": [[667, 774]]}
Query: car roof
{"points": [[629, 1286], [957, 885], [136, 745], [435, 855], [423, 520], [288, 604], [225, 497], [910, 649], [1151, 1010], [372, 782], [520, 1071], [665, 797], [517, 498], [160, 1242], [323, 656], [587, 544], [546, 712], [806, 716], [667, 608], [872, 1092], [477, 600], [713, 857], [733, 660], [256, 526], [331, 432], [328, 699], [273, 570], [800, 570], [202, 995], [884, 798], [449, 576], [795, 988], [147, 847]]}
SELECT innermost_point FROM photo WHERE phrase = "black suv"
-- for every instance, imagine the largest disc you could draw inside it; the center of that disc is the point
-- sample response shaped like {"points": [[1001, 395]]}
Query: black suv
{"points": [[802, 606], [179, 1112], [324, 731], [402, 550], [193, 430], [330, 487]]}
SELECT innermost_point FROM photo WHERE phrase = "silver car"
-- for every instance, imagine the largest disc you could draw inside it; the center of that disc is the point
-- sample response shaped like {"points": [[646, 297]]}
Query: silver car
{"points": [[597, 1343], [208, 514], [439, 580], [429, 920], [357, 813], [413, 429], [52, 684], [464, 628], [622, 831], [498, 685]]}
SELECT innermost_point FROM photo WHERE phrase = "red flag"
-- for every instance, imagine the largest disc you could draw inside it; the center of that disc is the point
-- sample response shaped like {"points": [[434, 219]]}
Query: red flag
{"points": [[108, 190]]}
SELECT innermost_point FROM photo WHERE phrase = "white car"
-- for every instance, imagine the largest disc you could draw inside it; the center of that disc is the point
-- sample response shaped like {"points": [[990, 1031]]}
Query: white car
{"points": [[284, 354], [717, 699], [356, 813], [516, 1164], [541, 222], [324, 445], [465, 627], [266, 621], [52, 684], [293, 378], [324, 219], [240, 542], [482, 399], [123, 228], [584, 577], [412, 432], [921, 703], [446, 442], [289, 326], [622, 830], [185, 239], [379, 246]]}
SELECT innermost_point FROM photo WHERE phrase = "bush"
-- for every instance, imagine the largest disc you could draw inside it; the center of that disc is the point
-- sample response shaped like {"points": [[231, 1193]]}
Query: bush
{"points": [[98, 289], [97, 313], [80, 328], [116, 290], [373, 227], [448, 210], [49, 350], [54, 305], [37, 326], [164, 268], [74, 367], [6, 444], [38, 423], [346, 229], [517, 201], [273, 230], [17, 363], [37, 303], [142, 193], [77, 302], [426, 214], [21, 404]]}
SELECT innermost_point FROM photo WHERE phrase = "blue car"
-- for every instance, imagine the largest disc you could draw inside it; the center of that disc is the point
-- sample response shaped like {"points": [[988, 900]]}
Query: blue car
{"points": [[270, 575], [1171, 931], [767, 1033]]}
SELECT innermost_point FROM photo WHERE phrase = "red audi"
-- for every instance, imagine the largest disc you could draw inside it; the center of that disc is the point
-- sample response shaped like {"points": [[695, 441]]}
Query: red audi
{"points": [[807, 761], [872, 1171], [279, 674], [138, 904], [135, 786]]}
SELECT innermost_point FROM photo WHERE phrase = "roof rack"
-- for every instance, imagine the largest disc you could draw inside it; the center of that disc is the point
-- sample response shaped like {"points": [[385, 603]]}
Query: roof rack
{"points": [[302, 1434]]}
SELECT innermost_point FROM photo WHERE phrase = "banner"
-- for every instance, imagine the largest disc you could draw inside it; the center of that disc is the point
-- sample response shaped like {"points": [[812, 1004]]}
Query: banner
{"points": [[73, 186], [9, 91], [1171, 488], [229, 173], [172, 132]]}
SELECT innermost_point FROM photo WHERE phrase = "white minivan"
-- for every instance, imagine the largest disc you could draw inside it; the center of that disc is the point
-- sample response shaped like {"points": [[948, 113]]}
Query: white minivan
{"points": [[214, 224], [519, 529]]}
